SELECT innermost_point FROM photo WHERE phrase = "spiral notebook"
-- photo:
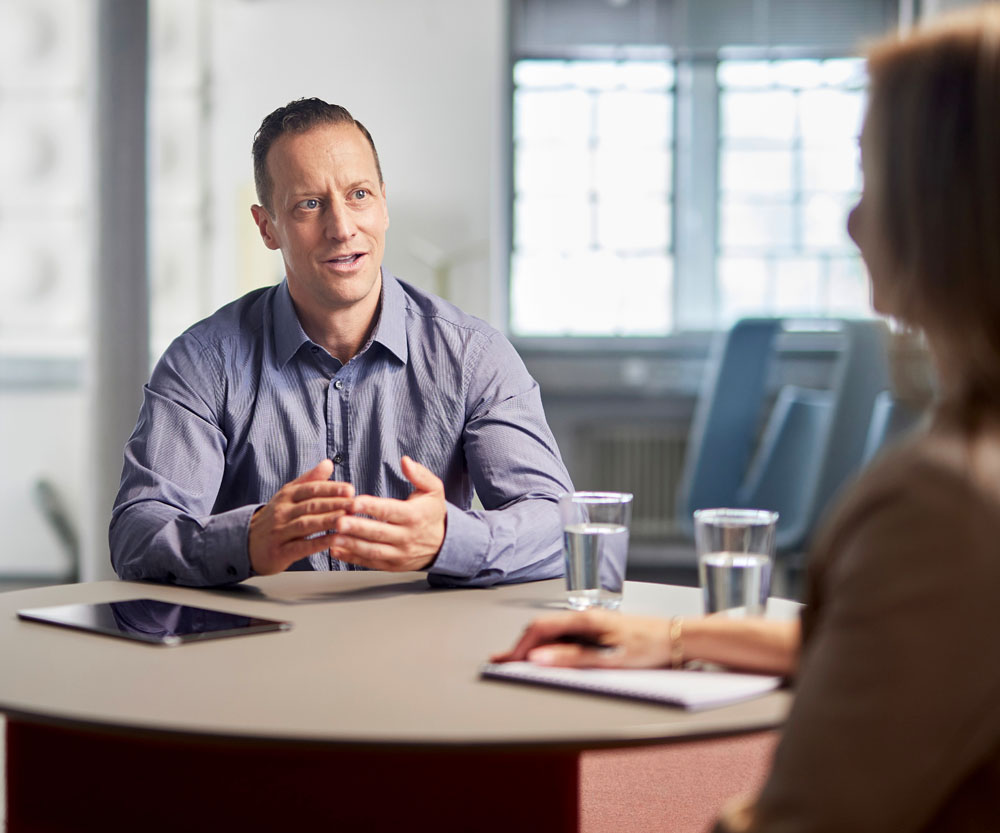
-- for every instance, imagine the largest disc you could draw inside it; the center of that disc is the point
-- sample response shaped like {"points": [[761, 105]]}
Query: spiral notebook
{"points": [[688, 689]]}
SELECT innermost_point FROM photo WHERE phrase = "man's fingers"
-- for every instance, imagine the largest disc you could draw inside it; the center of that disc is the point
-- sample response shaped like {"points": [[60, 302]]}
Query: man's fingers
{"points": [[298, 549], [387, 510], [390, 534], [375, 531], [318, 506], [321, 471], [308, 505], [318, 489], [370, 554], [310, 525], [350, 551], [423, 479]]}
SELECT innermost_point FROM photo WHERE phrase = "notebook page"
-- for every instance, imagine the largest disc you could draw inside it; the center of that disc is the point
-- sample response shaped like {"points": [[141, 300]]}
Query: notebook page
{"points": [[686, 688]]}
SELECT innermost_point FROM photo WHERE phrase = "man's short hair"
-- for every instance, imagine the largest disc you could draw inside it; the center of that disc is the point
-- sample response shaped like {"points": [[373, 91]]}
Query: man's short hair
{"points": [[297, 117]]}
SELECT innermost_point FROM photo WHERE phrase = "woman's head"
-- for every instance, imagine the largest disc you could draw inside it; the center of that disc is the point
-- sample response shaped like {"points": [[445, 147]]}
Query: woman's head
{"points": [[928, 224]]}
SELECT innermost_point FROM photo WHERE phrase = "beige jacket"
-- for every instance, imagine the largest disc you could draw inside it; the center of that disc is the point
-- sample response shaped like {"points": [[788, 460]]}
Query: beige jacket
{"points": [[896, 720]]}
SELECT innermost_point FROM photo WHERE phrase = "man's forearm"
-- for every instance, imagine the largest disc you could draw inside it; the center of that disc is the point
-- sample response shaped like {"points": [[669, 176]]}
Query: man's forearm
{"points": [[522, 542], [152, 541]]}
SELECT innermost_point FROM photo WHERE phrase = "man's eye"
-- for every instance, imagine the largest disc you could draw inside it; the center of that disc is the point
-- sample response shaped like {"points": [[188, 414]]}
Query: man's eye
{"points": [[310, 204], [360, 193]]}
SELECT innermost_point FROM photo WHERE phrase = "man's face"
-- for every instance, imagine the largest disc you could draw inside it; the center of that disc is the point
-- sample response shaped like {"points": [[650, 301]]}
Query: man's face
{"points": [[328, 217]]}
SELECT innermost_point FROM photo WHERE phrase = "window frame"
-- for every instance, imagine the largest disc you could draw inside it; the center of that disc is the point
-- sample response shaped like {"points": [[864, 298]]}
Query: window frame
{"points": [[695, 176], [582, 53]]}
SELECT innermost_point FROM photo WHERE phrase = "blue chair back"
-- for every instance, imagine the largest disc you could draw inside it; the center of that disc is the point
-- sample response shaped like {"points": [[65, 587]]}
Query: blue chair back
{"points": [[812, 441]]}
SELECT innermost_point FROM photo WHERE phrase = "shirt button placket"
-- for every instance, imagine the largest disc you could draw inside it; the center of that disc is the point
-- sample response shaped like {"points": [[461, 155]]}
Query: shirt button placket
{"points": [[336, 417]]}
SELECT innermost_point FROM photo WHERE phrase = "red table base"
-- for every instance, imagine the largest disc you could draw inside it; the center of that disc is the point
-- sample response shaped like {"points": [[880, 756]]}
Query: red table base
{"points": [[68, 779]]}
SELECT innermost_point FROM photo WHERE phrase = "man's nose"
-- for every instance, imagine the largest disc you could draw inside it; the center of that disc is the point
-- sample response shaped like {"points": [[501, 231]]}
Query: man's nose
{"points": [[339, 222]]}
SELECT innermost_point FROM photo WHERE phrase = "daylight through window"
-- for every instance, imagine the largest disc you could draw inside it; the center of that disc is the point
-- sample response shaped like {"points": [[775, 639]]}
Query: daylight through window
{"points": [[595, 146], [592, 190]]}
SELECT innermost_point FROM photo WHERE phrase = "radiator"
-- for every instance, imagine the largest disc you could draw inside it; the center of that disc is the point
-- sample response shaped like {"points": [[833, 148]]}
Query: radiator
{"points": [[645, 460]]}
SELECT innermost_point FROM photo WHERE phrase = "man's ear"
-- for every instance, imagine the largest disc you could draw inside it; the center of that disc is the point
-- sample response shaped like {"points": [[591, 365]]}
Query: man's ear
{"points": [[386, 204], [263, 221]]}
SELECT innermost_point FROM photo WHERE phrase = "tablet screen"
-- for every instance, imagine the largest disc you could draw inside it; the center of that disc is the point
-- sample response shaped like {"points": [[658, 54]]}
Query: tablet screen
{"points": [[149, 620]]}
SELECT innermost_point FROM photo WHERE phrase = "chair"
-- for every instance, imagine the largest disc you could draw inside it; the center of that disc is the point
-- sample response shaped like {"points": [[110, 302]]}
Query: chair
{"points": [[791, 456]]}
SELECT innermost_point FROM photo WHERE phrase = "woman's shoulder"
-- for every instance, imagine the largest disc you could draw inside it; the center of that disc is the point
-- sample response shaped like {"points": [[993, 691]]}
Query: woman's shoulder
{"points": [[930, 504], [935, 465]]}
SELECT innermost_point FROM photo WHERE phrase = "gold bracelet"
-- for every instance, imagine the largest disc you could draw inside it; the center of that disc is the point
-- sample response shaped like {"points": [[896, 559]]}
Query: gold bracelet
{"points": [[676, 646]]}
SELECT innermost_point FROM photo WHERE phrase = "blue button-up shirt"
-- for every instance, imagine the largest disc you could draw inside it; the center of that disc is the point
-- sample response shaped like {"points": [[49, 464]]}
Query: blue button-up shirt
{"points": [[244, 401]]}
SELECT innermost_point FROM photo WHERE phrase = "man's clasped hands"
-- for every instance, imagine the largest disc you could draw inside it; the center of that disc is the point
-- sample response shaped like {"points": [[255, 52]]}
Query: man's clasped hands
{"points": [[313, 513]]}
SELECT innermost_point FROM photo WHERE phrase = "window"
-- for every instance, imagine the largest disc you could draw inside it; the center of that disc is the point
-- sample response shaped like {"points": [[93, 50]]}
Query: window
{"points": [[789, 172], [45, 146], [655, 196], [593, 166]]}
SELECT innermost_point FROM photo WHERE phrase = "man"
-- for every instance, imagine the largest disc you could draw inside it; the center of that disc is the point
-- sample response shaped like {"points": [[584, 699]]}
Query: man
{"points": [[340, 419]]}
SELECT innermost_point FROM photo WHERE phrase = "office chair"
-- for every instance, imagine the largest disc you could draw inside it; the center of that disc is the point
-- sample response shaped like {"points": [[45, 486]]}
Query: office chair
{"points": [[812, 440]]}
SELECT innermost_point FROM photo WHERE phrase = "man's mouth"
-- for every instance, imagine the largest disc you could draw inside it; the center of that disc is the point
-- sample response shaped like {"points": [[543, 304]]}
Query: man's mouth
{"points": [[346, 260]]}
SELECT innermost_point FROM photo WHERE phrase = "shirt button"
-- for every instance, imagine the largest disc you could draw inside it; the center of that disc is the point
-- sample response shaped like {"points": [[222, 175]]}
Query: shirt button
{"points": [[339, 384], [338, 458], [231, 570]]}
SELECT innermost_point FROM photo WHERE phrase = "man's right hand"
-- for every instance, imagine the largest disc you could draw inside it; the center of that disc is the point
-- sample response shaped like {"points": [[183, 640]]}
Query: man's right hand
{"points": [[309, 504]]}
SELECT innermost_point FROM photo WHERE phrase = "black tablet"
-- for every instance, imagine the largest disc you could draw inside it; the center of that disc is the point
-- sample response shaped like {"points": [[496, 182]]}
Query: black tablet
{"points": [[149, 620]]}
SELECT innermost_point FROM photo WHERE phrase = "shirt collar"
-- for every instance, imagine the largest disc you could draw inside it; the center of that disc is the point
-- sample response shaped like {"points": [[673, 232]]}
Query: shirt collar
{"points": [[288, 333], [390, 331]]}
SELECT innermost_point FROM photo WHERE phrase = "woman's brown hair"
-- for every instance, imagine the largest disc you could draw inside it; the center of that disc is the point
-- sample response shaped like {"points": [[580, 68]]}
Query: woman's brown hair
{"points": [[934, 120]]}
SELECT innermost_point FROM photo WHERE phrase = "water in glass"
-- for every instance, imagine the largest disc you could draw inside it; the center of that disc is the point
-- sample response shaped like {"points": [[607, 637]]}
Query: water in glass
{"points": [[735, 582], [593, 552]]}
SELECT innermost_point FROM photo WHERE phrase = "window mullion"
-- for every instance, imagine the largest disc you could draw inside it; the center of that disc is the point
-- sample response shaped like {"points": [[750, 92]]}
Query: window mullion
{"points": [[695, 193]]}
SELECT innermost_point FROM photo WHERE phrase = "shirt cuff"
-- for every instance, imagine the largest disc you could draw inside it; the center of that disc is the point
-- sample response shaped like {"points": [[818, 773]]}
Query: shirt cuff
{"points": [[225, 549], [466, 539]]}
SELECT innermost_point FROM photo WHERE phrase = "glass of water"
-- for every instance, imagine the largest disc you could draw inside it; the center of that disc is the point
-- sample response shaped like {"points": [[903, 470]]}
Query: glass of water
{"points": [[735, 553], [595, 546]]}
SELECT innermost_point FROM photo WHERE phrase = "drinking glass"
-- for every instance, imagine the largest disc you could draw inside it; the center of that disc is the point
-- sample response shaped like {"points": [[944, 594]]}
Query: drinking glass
{"points": [[735, 553], [595, 546]]}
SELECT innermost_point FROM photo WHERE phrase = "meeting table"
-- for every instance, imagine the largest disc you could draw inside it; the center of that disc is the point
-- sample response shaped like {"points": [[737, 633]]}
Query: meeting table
{"points": [[368, 714]]}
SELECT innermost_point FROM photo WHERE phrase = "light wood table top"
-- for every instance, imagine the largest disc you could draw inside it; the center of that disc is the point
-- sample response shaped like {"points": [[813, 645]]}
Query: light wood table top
{"points": [[373, 658]]}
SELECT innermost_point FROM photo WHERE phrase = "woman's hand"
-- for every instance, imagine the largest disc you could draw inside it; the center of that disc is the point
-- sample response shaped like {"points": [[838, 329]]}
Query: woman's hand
{"points": [[613, 640], [593, 639]]}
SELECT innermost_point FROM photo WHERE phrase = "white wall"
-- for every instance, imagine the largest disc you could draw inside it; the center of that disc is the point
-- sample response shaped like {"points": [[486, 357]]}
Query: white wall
{"points": [[424, 76], [41, 437]]}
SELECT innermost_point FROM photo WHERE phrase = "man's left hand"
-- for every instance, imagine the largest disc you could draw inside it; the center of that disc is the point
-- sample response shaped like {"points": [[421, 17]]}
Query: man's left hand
{"points": [[397, 535]]}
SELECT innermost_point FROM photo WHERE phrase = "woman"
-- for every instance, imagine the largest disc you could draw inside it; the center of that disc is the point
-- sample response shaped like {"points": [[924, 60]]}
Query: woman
{"points": [[896, 720]]}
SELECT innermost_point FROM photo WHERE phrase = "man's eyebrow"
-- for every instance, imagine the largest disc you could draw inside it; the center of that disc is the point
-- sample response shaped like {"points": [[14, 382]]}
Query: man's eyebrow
{"points": [[302, 190], [297, 188]]}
